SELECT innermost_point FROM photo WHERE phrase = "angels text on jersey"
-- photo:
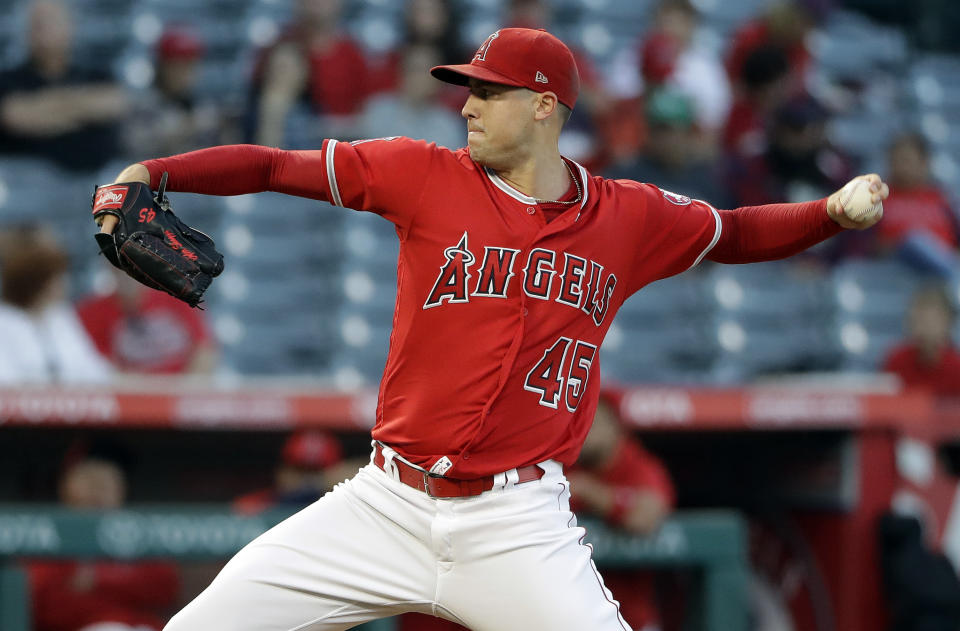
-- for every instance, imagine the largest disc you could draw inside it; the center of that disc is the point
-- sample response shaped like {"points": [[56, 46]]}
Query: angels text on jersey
{"points": [[565, 278]]}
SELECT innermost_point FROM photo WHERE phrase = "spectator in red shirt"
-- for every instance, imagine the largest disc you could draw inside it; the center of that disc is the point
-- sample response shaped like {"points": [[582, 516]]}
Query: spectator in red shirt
{"points": [[798, 162], [143, 331], [618, 480], [761, 91], [311, 464], [431, 23], [69, 595], [314, 62], [784, 25], [928, 358], [919, 226], [916, 203]]}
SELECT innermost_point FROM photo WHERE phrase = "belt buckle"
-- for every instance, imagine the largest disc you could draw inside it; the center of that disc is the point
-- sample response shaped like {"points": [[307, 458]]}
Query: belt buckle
{"points": [[426, 483]]}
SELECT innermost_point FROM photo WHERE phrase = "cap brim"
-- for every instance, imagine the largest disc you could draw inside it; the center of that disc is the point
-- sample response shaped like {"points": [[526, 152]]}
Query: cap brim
{"points": [[460, 74]]}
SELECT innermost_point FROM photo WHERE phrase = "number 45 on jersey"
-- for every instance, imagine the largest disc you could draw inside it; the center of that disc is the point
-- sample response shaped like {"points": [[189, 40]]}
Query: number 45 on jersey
{"points": [[554, 377]]}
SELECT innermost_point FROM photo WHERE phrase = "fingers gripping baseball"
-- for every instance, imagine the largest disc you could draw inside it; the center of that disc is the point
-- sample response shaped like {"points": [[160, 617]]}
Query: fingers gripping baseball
{"points": [[859, 204]]}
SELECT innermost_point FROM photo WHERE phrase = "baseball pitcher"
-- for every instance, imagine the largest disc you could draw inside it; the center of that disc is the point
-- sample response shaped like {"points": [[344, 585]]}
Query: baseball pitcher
{"points": [[513, 263]]}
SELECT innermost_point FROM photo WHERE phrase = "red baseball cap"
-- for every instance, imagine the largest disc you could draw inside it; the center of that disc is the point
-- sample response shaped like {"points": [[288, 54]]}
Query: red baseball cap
{"points": [[522, 57], [179, 43]]}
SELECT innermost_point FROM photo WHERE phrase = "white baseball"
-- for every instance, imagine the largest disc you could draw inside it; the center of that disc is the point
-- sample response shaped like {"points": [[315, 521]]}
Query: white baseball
{"points": [[856, 200]]}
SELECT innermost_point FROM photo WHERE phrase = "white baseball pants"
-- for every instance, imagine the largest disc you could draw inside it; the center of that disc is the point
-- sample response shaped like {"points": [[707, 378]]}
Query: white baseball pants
{"points": [[508, 559]]}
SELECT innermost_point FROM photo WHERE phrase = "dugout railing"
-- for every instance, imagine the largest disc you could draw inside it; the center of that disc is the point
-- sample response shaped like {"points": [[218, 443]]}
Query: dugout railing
{"points": [[712, 543], [828, 459]]}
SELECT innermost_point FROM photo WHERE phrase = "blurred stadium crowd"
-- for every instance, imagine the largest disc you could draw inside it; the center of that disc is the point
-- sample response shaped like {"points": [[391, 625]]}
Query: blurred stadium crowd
{"points": [[737, 103]]}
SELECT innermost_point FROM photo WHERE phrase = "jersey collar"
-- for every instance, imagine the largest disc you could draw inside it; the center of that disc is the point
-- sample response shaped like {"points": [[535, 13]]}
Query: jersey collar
{"points": [[526, 199]]}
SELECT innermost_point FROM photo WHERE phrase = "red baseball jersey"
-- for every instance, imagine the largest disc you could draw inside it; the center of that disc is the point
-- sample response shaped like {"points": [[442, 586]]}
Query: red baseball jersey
{"points": [[493, 359], [494, 355]]}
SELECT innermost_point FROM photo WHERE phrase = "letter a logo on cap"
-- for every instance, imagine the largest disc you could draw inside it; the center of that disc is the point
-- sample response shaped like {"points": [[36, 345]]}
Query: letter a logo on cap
{"points": [[541, 78], [481, 54]]}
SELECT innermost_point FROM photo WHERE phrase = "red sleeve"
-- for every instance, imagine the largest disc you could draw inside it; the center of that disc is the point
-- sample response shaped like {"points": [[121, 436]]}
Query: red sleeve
{"points": [[242, 169], [675, 233], [382, 175], [775, 231], [385, 175]]}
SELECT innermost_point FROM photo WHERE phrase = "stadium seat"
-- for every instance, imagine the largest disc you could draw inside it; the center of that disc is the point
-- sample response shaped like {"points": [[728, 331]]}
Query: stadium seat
{"points": [[871, 298], [361, 349], [12, 33], [727, 17], [767, 289], [26, 192], [661, 333], [288, 253], [770, 317], [934, 80], [865, 134], [850, 45]]}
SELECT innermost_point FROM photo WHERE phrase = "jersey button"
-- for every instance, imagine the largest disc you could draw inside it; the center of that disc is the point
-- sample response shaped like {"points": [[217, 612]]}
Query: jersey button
{"points": [[530, 210], [526, 312]]}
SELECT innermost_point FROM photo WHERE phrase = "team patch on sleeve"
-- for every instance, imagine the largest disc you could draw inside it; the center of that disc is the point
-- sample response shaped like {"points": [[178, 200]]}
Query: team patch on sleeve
{"points": [[673, 198]]}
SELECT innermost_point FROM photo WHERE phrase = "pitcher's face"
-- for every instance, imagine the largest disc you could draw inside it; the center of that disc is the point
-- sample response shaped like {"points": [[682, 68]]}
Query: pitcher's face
{"points": [[500, 120]]}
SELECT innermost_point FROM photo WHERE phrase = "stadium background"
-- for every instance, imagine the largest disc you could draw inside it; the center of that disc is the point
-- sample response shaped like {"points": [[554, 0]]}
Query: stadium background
{"points": [[302, 314]]}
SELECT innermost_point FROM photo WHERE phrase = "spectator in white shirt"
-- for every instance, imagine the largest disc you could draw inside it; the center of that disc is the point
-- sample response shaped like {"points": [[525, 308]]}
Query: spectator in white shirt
{"points": [[671, 55], [41, 338], [414, 110]]}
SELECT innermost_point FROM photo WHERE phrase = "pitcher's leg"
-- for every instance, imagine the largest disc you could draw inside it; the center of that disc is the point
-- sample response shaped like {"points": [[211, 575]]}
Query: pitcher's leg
{"points": [[551, 586], [521, 565], [354, 555]]}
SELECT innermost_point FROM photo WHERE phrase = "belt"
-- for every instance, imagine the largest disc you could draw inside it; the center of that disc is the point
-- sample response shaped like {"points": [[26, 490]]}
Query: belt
{"points": [[438, 486]]}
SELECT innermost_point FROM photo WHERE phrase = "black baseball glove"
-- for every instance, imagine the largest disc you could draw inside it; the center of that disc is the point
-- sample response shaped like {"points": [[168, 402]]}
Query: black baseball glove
{"points": [[152, 245]]}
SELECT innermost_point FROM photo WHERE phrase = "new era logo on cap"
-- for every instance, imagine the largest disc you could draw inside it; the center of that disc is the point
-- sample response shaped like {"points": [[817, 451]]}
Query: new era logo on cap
{"points": [[522, 57]]}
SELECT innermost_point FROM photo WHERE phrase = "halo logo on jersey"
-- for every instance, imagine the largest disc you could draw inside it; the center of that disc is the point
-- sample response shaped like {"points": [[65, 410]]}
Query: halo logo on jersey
{"points": [[451, 284], [481, 54], [673, 198]]}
